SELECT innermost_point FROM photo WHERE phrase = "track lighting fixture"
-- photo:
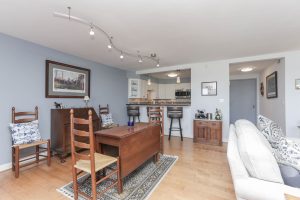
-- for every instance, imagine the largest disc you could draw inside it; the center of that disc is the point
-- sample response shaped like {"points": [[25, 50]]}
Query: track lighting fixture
{"points": [[111, 44], [92, 33]]}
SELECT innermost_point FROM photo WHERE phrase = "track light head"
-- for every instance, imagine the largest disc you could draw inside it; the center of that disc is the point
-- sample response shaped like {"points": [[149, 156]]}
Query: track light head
{"points": [[92, 33]]}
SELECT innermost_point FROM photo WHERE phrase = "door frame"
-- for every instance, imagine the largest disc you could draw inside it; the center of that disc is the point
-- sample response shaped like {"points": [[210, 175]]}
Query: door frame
{"points": [[244, 77]]}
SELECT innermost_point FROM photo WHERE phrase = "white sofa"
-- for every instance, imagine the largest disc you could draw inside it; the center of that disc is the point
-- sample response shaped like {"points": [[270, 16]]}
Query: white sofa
{"points": [[247, 187]]}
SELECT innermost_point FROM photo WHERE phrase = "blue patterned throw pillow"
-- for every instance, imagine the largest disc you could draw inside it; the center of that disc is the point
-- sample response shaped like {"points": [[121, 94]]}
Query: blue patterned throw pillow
{"points": [[106, 120], [25, 133]]}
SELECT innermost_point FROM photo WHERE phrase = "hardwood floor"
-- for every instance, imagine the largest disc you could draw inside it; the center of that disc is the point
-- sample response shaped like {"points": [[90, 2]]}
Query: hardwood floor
{"points": [[201, 172]]}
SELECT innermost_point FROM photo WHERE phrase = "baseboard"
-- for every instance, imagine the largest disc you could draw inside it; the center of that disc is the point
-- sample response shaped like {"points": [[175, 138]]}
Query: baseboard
{"points": [[5, 167]]}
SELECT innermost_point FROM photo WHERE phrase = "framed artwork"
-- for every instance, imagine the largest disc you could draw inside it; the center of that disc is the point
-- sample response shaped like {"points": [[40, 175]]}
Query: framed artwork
{"points": [[66, 81], [209, 88], [297, 84], [271, 82]]}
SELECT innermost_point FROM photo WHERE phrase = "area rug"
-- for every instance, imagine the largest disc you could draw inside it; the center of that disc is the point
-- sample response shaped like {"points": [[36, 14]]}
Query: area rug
{"points": [[136, 186]]}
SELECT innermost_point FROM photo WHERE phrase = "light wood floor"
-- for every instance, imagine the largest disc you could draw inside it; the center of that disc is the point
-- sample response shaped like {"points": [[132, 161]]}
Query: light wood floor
{"points": [[201, 172]]}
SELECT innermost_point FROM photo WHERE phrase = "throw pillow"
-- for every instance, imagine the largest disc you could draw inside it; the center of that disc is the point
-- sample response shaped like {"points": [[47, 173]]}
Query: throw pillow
{"points": [[24, 133], [106, 120], [263, 122], [255, 152]]}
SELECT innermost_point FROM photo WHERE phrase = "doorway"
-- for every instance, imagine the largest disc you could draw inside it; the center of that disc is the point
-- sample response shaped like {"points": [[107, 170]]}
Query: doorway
{"points": [[243, 100]]}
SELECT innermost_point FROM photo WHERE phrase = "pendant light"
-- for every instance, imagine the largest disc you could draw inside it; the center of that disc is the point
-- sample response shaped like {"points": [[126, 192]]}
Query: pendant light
{"points": [[178, 79], [149, 81]]}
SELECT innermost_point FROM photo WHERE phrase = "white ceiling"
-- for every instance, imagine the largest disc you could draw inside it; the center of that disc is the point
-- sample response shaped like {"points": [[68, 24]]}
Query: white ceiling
{"points": [[178, 31], [258, 66], [164, 75]]}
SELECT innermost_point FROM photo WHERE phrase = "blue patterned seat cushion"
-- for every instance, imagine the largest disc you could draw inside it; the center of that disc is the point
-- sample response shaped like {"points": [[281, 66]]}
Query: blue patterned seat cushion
{"points": [[25, 133], [106, 120]]}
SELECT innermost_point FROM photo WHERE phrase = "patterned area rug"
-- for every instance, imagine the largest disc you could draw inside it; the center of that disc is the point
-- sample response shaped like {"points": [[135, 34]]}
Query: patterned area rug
{"points": [[136, 186]]}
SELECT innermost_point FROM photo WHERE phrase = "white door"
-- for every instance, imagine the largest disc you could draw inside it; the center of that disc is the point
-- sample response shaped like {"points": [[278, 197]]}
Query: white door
{"points": [[243, 100]]}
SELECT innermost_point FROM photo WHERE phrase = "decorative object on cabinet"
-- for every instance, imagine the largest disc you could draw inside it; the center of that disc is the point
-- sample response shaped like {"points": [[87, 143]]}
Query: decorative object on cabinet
{"points": [[66, 81], [200, 114], [20, 118], [106, 120], [58, 105], [218, 115], [262, 89], [297, 84], [208, 131], [271, 80], [86, 99], [209, 88], [156, 116], [93, 162], [60, 129]]}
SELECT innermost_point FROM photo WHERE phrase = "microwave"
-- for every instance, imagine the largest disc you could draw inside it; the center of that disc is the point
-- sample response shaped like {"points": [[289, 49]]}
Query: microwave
{"points": [[182, 94]]}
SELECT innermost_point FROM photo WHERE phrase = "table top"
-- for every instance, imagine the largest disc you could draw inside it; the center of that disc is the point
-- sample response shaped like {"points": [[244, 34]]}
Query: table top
{"points": [[123, 131]]}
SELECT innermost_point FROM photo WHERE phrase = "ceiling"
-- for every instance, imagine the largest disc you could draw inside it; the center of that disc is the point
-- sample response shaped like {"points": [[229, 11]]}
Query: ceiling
{"points": [[164, 75], [178, 31], [235, 68]]}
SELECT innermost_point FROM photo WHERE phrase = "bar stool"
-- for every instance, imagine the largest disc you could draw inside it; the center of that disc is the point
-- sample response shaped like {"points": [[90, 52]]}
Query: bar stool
{"points": [[133, 111], [175, 112]]}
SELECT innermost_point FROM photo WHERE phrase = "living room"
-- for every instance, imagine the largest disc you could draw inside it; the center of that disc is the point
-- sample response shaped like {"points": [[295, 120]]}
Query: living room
{"points": [[113, 42]]}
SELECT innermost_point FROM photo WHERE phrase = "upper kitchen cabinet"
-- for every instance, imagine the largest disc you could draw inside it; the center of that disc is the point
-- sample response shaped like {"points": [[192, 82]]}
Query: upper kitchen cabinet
{"points": [[135, 89]]}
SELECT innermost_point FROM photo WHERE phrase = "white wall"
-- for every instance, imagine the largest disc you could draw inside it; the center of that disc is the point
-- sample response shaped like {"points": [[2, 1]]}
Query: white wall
{"points": [[206, 72], [274, 108], [220, 72]]}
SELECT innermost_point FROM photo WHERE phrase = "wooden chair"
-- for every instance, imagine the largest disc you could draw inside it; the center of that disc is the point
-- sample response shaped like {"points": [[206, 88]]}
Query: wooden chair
{"points": [[105, 111], [156, 116], [23, 117], [92, 162]]}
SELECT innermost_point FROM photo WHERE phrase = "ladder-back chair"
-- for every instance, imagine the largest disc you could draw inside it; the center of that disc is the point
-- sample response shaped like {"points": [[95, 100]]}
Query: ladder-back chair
{"points": [[156, 116], [25, 117], [105, 111], [92, 162]]}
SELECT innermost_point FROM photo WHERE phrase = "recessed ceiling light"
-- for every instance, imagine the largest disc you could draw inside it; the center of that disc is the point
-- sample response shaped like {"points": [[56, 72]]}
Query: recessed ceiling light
{"points": [[247, 69], [172, 75]]}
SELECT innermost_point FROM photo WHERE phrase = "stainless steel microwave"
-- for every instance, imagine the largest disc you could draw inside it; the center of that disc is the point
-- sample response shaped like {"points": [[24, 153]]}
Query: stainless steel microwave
{"points": [[182, 94]]}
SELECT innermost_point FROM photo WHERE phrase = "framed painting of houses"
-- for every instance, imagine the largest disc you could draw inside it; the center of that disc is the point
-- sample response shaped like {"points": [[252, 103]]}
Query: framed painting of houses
{"points": [[66, 81], [272, 90]]}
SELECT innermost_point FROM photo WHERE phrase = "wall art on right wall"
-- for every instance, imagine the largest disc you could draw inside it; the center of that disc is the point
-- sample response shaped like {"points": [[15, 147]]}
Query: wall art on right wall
{"points": [[297, 84], [271, 84]]}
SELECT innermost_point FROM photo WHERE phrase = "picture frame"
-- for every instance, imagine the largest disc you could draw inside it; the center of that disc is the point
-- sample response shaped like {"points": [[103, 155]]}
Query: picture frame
{"points": [[66, 81], [209, 88], [297, 84], [262, 89], [271, 86]]}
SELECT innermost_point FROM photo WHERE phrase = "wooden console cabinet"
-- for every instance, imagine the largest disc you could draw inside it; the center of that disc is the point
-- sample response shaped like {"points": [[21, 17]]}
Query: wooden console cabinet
{"points": [[60, 129], [208, 131]]}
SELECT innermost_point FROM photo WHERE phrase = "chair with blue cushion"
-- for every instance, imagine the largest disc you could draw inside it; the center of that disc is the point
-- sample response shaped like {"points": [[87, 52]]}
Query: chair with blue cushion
{"points": [[25, 134]]}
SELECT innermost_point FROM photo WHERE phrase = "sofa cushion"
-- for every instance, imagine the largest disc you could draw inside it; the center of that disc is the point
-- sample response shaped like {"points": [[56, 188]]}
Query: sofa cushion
{"points": [[256, 153], [290, 175]]}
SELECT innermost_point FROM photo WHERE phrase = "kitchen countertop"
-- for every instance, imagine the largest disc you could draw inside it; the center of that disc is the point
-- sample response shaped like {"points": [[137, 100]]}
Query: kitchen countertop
{"points": [[159, 104]]}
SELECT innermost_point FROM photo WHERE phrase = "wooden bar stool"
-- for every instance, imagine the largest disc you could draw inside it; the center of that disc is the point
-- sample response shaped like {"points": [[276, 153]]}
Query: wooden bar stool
{"points": [[175, 112], [156, 116], [92, 162]]}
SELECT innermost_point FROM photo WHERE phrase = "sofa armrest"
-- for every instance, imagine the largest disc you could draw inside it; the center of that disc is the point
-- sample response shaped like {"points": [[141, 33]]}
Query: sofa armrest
{"points": [[252, 188]]}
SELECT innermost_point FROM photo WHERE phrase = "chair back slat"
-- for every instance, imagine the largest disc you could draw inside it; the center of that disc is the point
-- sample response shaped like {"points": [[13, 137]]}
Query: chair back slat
{"points": [[81, 133], [103, 110], [23, 117], [81, 145], [76, 143], [80, 121], [81, 156]]}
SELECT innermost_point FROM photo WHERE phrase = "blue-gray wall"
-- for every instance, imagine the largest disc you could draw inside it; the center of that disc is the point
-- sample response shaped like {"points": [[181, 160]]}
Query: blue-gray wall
{"points": [[22, 84]]}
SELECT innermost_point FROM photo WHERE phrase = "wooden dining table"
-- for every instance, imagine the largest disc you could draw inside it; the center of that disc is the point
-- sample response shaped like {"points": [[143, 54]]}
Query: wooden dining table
{"points": [[134, 145]]}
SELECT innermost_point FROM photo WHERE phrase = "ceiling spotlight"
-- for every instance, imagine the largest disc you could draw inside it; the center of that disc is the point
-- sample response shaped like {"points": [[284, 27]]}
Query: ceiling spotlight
{"points": [[121, 56], [109, 46], [92, 31], [178, 79], [140, 59], [172, 75], [247, 69]]}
